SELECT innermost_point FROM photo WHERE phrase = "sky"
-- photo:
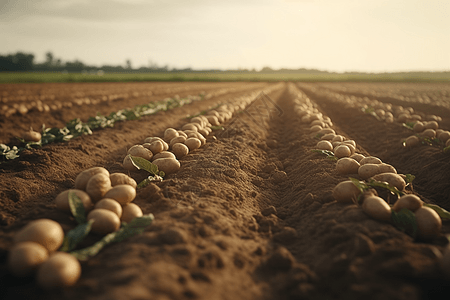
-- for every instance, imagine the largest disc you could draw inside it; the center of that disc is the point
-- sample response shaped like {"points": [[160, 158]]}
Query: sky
{"points": [[332, 35]]}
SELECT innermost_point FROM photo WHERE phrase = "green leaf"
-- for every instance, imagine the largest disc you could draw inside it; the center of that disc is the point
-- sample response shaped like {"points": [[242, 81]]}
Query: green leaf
{"points": [[143, 164], [136, 226], [447, 149], [391, 188], [75, 236], [409, 125], [409, 178], [360, 185], [444, 214], [328, 153], [77, 208], [405, 220]]}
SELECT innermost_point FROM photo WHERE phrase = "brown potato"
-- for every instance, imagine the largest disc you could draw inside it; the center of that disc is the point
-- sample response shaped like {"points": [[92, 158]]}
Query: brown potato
{"points": [[32, 136], [368, 170], [347, 165], [62, 200], [97, 186], [376, 208], [180, 150], [409, 201], [151, 139], [178, 139], [105, 221], [358, 157], [386, 168], [110, 204], [342, 151], [324, 145], [120, 178], [346, 192], [412, 141], [193, 143], [155, 146], [128, 165], [167, 165], [131, 211], [83, 178], [391, 178], [122, 193], [46, 232], [429, 223], [170, 134], [429, 133], [370, 160], [25, 257], [140, 151], [164, 154], [60, 270]]}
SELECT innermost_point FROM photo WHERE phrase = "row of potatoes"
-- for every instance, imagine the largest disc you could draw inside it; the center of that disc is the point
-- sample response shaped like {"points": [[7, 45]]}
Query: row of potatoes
{"points": [[429, 223], [429, 130], [107, 199]]}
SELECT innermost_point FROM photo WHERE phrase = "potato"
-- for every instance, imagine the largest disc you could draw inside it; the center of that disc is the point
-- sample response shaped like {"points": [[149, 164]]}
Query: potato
{"points": [[431, 125], [391, 178], [164, 154], [326, 131], [25, 257], [140, 151], [350, 142], [346, 192], [151, 139], [368, 170], [409, 201], [193, 143], [429, 133], [181, 133], [358, 157], [105, 221], [445, 262], [412, 141], [46, 232], [178, 139], [342, 151], [328, 137], [198, 120], [428, 222], [351, 147], [167, 165], [204, 131], [386, 168], [315, 128], [120, 178], [128, 165], [324, 145], [447, 143], [347, 165], [198, 136], [62, 200], [170, 134], [444, 136], [180, 150], [97, 186], [189, 126], [418, 127], [122, 193], [376, 208], [110, 204], [131, 211], [338, 138], [370, 160], [60, 270], [83, 177], [213, 120], [155, 146], [32, 136]]}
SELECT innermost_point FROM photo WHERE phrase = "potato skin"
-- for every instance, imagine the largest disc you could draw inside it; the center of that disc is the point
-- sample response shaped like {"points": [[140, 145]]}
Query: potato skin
{"points": [[412, 141], [376, 208], [140, 151], [193, 143], [393, 179], [60, 270], [25, 257], [346, 192], [131, 211], [347, 165], [370, 160], [97, 186], [122, 193], [120, 178], [46, 232], [180, 150], [324, 145], [105, 221], [164, 154], [83, 178], [110, 204], [342, 151], [429, 223], [367, 170], [167, 165], [409, 201], [62, 200]]}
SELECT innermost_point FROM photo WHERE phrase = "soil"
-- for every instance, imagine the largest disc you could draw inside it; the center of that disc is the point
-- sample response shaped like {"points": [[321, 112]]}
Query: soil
{"points": [[250, 215]]}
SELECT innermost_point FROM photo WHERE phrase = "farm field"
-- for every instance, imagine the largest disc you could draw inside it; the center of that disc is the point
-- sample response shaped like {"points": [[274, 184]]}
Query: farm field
{"points": [[252, 213]]}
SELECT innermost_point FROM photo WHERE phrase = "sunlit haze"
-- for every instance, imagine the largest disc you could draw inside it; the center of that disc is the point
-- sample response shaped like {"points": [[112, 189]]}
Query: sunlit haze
{"points": [[333, 35]]}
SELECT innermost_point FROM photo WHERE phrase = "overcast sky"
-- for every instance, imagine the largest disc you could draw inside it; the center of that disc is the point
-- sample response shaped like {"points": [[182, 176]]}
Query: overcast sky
{"points": [[334, 35]]}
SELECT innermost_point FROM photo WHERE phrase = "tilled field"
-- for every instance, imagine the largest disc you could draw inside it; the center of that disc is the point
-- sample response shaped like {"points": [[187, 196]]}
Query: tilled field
{"points": [[251, 214]]}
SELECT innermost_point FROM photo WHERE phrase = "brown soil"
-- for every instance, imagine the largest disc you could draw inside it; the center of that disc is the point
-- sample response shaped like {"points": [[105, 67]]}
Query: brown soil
{"points": [[249, 216]]}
